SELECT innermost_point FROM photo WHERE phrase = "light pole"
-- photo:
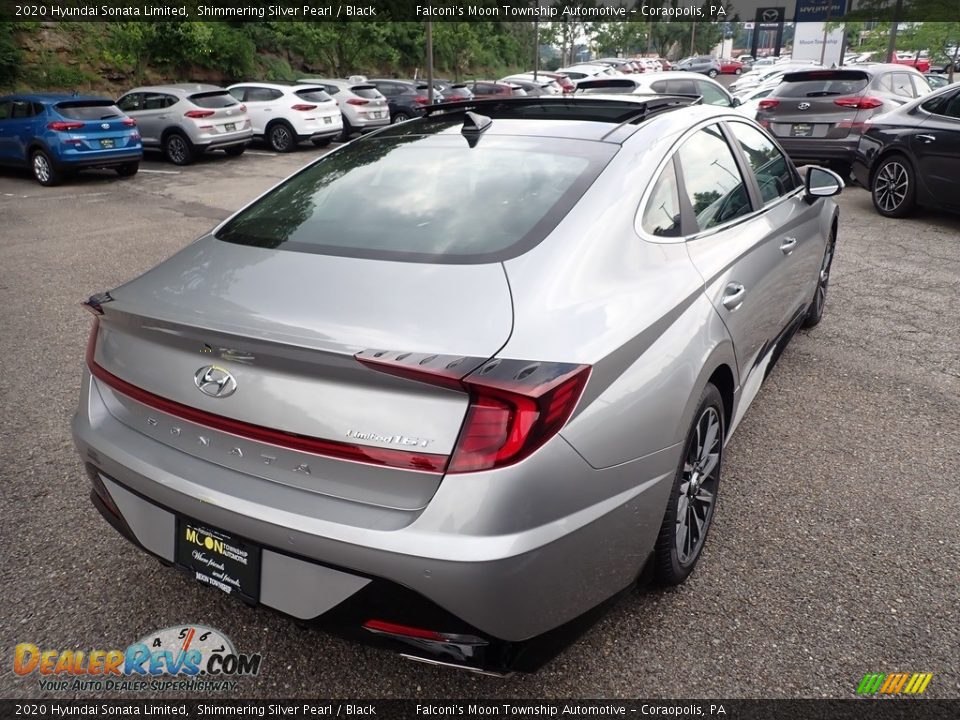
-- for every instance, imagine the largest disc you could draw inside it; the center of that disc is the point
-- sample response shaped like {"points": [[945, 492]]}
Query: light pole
{"points": [[430, 62]]}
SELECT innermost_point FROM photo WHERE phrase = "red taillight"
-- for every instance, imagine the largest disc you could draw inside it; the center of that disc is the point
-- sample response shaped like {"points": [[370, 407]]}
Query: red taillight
{"points": [[389, 628], [357, 101], [515, 406], [768, 103], [196, 114], [303, 107], [129, 122], [62, 126], [422, 100], [859, 103]]}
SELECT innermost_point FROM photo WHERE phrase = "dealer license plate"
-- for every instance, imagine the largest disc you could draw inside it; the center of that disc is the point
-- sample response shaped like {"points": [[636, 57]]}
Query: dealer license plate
{"points": [[230, 127], [801, 130], [107, 143], [219, 559]]}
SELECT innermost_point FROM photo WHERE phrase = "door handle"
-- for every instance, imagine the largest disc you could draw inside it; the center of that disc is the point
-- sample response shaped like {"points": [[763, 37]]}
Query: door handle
{"points": [[733, 296], [926, 138], [787, 245]]}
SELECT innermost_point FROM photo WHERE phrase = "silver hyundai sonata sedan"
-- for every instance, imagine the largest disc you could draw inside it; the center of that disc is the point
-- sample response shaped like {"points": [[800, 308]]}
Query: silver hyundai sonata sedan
{"points": [[455, 386]]}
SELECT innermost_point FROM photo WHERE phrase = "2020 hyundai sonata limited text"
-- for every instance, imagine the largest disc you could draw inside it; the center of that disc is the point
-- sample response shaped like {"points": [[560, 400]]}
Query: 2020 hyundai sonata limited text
{"points": [[456, 385]]}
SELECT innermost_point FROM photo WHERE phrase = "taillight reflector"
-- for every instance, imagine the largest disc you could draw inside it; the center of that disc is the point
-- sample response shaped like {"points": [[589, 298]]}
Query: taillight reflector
{"points": [[859, 103], [422, 100], [768, 103], [198, 114], [357, 101], [129, 122], [62, 126], [302, 107]]}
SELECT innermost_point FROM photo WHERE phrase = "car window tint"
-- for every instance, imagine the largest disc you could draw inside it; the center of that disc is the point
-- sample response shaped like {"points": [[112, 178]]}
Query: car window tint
{"points": [[682, 87], [239, 93], [712, 179], [712, 95], [661, 216], [155, 101], [258, 94], [902, 85], [426, 198], [88, 111], [773, 171], [884, 82], [950, 106], [921, 85], [213, 100], [822, 88], [318, 95], [22, 110], [365, 91], [128, 103]]}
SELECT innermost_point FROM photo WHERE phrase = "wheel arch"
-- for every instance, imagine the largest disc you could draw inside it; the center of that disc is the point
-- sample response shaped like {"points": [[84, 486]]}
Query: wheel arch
{"points": [[886, 153], [722, 378]]}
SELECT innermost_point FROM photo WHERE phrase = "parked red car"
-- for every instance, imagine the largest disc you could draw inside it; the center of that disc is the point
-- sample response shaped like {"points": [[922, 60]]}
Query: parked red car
{"points": [[729, 66], [921, 64]]}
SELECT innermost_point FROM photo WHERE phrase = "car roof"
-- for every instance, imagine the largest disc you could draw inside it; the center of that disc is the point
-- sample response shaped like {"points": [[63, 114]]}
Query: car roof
{"points": [[292, 86], [51, 98], [178, 88], [597, 118]]}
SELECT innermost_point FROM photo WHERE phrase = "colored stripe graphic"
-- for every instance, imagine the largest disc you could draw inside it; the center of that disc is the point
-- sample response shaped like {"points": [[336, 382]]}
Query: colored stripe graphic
{"points": [[894, 683]]}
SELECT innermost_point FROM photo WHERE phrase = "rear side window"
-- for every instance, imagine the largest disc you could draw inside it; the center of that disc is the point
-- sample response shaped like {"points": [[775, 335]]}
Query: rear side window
{"points": [[712, 179], [318, 95], [257, 94], [946, 105], [425, 198], [775, 174], [902, 85], [131, 102], [712, 95], [213, 100], [89, 111], [21, 110], [661, 217]]}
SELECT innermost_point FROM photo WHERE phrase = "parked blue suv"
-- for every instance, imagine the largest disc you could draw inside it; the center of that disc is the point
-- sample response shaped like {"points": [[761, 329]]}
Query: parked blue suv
{"points": [[57, 134]]}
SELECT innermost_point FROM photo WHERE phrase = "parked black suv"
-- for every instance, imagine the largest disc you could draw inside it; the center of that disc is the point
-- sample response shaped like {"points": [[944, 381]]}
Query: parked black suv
{"points": [[406, 99]]}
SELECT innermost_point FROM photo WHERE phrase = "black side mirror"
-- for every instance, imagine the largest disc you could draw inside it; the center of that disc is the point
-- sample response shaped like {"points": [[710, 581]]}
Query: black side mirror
{"points": [[821, 182], [736, 102]]}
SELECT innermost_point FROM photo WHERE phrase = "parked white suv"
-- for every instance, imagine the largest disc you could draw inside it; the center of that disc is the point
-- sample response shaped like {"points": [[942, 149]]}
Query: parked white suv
{"points": [[284, 114], [364, 108]]}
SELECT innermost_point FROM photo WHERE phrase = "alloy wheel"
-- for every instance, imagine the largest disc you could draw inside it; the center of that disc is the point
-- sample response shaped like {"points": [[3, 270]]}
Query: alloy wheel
{"points": [[891, 186], [698, 487], [280, 138], [821, 297], [41, 168], [399, 118], [177, 150]]}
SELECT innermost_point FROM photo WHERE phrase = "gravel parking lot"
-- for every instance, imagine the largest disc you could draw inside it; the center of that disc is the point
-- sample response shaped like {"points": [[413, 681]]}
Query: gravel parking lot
{"points": [[834, 551]]}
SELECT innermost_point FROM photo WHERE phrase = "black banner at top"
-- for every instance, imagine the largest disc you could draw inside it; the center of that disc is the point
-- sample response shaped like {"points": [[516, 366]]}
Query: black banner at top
{"points": [[449, 10]]}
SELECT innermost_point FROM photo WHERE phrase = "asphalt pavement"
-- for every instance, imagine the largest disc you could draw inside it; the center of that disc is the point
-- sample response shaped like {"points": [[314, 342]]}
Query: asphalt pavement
{"points": [[835, 550]]}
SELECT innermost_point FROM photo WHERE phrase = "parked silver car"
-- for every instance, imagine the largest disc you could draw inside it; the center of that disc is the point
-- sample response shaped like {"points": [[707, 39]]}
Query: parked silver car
{"points": [[184, 120], [454, 386], [364, 108]]}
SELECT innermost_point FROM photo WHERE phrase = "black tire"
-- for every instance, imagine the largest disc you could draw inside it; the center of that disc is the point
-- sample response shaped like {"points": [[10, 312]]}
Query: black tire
{"points": [[815, 309], [737, 71], [712, 73], [346, 132], [691, 507], [235, 150], [399, 117], [893, 187], [281, 137], [128, 169], [322, 142], [44, 170], [178, 149]]}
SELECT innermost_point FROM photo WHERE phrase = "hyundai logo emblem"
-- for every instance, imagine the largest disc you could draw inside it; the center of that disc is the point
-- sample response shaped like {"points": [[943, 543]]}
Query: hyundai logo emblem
{"points": [[770, 15], [105, 126], [215, 381], [803, 106]]}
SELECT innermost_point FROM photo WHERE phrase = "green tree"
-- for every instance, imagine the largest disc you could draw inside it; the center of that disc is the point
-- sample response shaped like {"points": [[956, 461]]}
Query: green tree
{"points": [[10, 55]]}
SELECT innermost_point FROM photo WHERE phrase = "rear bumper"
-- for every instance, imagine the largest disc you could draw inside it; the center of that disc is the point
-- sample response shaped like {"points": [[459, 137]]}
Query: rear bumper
{"points": [[814, 150], [209, 142], [110, 158], [506, 588]]}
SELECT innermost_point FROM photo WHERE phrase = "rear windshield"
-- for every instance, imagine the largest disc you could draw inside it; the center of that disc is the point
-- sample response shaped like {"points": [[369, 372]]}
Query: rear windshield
{"points": [[314, 95], [425, 198], [87, 110], [213, 100], [822, 84], [366, 91]]}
